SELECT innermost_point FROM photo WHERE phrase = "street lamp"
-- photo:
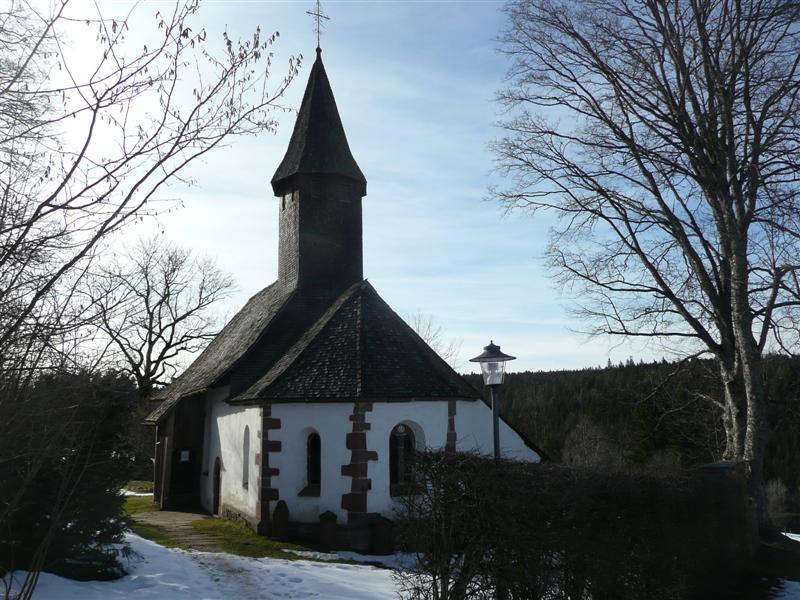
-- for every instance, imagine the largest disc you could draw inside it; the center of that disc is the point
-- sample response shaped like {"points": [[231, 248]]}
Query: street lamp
{"points": [[493, 367]]}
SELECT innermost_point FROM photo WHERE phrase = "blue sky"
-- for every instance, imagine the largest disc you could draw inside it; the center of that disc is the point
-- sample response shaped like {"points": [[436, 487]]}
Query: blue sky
{"points": [[414, 83]]}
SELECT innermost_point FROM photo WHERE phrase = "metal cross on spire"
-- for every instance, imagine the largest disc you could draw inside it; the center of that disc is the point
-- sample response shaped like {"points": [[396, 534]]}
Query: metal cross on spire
{"points": [[320, 17]]}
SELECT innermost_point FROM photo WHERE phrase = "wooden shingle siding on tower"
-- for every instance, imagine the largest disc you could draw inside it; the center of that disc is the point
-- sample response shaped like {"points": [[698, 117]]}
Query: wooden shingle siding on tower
{"points": [[317, 353]]}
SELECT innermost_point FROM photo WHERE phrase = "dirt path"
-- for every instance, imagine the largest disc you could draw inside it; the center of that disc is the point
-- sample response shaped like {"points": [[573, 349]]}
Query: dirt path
{"points": [[221, 567], [178, 526]]}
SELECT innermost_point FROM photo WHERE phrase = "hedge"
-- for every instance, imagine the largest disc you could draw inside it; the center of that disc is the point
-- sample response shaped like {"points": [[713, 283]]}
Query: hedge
{"points": [[555, 532]]}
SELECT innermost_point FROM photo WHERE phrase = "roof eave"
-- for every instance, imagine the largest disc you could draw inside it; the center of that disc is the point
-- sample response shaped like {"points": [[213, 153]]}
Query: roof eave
{"points": [[255, 400], [287, 184], [161, 413]]}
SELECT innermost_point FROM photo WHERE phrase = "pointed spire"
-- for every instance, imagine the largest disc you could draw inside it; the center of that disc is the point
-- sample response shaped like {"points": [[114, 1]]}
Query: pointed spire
{"points": [[318, 145]]}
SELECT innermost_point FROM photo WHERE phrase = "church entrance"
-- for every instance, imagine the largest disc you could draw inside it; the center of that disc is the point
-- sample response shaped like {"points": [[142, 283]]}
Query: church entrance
{"points": [[186, 456], [217, 486]]}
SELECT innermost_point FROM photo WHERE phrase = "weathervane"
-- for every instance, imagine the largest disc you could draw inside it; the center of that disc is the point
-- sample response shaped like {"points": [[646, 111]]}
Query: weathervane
{"points": [[319, 16]]}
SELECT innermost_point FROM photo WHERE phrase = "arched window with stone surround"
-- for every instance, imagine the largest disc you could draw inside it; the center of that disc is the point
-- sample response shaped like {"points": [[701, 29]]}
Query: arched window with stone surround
{"points": [[402, 446], [246, 458], [313, 465]]}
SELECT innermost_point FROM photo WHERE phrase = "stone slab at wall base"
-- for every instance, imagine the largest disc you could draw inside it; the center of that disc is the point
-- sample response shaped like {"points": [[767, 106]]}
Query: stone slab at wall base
{"points": [[237, 516], [357, 538]]}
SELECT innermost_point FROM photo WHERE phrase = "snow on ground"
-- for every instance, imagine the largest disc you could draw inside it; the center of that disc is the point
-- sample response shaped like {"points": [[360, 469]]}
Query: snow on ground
{"points": [[788, 590], [398, 560], [784, 590], [160, 573], [130, 493]]}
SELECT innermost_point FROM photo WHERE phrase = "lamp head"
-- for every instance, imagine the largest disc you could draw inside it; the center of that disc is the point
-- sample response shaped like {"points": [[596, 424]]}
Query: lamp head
{"points": [[493, 364]]}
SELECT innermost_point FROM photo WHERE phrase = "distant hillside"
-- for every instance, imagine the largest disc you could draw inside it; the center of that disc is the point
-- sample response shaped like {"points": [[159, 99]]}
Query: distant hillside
{"points": [[646, 414]]}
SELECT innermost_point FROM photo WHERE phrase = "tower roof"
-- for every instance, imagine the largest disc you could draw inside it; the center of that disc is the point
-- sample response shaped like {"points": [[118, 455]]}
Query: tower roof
{"points": [[318, 145]]}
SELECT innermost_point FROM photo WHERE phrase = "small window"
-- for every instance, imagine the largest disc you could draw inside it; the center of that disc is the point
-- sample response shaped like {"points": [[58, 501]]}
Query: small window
{"points": [[184, 456], [401, 460], [313, 466], [246, 458]]}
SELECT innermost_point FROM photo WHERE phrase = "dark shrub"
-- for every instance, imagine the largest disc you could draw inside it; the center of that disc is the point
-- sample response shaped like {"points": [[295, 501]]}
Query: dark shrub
{"points": [[141, 438], [547, 531], [63, 461]]}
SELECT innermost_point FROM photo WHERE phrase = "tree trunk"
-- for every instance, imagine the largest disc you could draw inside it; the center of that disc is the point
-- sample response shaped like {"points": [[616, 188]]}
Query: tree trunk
{"points": [[745, 434], [145, 386], [755, 440], [732, 414], [749, 362]]}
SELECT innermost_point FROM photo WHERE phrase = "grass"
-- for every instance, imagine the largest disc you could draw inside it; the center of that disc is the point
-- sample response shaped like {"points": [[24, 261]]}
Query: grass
{"points": [[139, 486], [238, 539], [138, 504], [156, 534], [230, 537]]}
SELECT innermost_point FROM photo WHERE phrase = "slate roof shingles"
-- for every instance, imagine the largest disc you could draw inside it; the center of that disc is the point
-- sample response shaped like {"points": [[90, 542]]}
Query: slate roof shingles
{"points": [[359, 349], [229, 346]]}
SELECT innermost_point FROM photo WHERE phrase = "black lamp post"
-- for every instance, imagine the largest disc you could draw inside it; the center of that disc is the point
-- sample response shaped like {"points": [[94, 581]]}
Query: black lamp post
{"points": [[493, 367]]}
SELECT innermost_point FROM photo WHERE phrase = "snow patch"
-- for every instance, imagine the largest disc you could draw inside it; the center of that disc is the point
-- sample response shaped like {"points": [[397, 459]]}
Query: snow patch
{"points": [[398, 560], [158, 573]]}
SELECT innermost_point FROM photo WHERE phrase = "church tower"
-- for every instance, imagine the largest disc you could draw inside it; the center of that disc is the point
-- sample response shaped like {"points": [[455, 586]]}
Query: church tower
{"points": [[319, 186]]}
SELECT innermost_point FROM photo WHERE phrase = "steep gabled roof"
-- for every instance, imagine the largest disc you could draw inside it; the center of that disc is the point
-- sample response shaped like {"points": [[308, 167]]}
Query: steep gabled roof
{"points": [[318, 144], [359, 349], [229, 346]]}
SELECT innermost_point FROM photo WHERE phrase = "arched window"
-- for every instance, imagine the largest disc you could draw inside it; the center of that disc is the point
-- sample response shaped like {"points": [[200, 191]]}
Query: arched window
{"points": [[401, 459], [246, 458], [313, 465]]}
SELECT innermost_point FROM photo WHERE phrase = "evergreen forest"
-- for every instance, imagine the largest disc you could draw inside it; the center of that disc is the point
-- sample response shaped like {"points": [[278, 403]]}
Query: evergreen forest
{"points": [[650, 415]]}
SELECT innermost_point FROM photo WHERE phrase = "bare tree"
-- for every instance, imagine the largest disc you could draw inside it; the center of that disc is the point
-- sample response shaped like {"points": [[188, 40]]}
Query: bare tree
{"points": [[665, 135], [90, 137], [156, 305], [434, 336]]}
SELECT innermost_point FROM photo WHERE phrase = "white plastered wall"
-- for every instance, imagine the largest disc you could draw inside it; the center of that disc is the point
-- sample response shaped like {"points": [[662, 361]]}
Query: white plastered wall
{"points": [[224, 438], [298, 420], [428, 420], [474, 429]]}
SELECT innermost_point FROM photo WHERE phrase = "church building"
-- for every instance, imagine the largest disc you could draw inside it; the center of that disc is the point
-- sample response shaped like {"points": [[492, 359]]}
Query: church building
{"points": [[311, 402]]}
